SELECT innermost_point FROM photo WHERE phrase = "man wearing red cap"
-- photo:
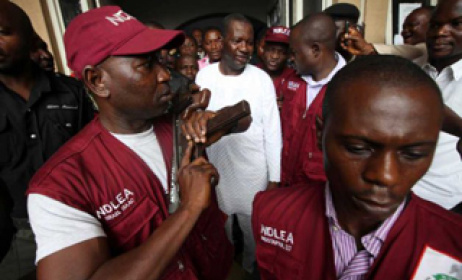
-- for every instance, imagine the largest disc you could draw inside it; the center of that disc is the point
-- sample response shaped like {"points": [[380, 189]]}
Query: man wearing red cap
{"points": [[99, 207], [274, 58]]}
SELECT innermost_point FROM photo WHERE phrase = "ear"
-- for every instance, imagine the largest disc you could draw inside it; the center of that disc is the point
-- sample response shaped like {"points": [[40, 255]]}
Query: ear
{"points": [[261, 48], [93, 78], [316, 49], [319, 128]]}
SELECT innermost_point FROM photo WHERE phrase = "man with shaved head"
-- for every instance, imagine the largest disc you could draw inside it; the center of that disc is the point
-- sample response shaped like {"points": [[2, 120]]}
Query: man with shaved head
{"points": [[378, 132], [39, 112], [312, 42]]}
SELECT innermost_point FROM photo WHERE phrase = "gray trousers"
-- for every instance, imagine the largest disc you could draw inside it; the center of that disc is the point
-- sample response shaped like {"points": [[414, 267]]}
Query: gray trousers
{"points": [[19, 263]]}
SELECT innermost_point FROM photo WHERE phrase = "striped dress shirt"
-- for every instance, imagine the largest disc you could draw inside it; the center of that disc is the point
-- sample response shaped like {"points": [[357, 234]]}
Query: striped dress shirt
{"points": [[351, 264]]}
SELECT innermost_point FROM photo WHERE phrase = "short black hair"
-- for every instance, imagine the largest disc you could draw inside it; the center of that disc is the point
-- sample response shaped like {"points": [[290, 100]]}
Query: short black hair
{"points": [[381, 70], [343, 11], [233, 17], [211, 28]]}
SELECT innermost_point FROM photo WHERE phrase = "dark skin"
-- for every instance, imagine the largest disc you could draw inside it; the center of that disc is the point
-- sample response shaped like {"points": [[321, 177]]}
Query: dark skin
{"points": [[340, 24], [213, 44], [311, 55], [376, 149], [42, 56], [187, 65], [131, 91], [274, 58], [16, 68], [189, 47], [444, 36], [415, 26], [237, 48]]}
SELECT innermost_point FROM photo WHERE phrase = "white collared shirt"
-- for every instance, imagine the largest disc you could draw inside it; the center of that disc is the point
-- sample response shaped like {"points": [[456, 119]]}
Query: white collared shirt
{"points": [[442, 183], [314, 87], [246, 161]]}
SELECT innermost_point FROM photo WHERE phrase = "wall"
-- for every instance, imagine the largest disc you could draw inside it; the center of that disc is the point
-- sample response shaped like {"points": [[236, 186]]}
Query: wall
{"points": [[374, 14], [35, 13], [172, 13]]}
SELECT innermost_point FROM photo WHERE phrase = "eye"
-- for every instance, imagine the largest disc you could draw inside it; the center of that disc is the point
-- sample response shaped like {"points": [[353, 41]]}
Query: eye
{"points": [[415, 153], [358, 149], [457, 23], [434, 25]]}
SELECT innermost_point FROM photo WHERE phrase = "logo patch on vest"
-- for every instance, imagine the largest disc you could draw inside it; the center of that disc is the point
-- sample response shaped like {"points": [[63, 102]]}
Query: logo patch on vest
{"points": [[293, 85], [121, 202], [277, 237], [436, 265]]}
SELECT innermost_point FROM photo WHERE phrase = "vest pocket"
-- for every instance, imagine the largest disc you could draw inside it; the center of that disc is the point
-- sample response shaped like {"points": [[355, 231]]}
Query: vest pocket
{"points": [[313, 167], [136, 226], [276, 264]]}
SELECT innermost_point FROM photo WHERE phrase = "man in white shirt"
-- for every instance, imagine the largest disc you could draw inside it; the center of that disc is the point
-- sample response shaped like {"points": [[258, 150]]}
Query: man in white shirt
{"points": [[443, 182], [248, 162]]}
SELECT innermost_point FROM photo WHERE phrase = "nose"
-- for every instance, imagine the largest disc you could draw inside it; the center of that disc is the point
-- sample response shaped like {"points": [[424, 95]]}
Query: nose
{"points": [[244, 47], [275, 55], [215, 46], [382, 169], [163, 75], [443, 30]]}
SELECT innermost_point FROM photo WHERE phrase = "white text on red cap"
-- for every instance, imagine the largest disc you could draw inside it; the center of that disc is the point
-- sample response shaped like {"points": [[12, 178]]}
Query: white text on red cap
{"points": [[282, 30], [119, 17]]}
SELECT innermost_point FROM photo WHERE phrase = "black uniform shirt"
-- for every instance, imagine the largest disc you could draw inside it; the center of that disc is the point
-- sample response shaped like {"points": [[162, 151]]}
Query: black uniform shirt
{"points": [[31, 131]]}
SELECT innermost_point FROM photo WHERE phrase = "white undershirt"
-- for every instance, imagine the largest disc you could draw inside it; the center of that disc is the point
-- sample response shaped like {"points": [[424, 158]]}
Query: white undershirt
{"points": [[314, 87], [57, 226], [146, 146]]}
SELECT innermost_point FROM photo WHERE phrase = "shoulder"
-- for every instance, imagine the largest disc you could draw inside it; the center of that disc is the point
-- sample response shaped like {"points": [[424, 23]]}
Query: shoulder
{"points": [[256, 71], [211, 68], [289, 201], [436, 216], [65, 162], [63, 81]]}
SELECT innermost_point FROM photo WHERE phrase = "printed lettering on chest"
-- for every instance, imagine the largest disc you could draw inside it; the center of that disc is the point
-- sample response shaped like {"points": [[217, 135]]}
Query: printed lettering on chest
{"points": [[64, 107], [291, 85], [277, 237], [116, 206]]}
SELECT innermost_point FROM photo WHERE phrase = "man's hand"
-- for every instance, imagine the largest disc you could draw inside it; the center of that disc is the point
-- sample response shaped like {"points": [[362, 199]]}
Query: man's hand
{"points": [[200, 101], [195, 127], [354, 42], [195, 180], [272, 185]]}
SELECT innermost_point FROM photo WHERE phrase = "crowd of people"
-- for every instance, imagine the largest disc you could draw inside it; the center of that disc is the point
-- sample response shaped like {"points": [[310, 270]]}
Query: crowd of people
{"points": [[349, 166]]}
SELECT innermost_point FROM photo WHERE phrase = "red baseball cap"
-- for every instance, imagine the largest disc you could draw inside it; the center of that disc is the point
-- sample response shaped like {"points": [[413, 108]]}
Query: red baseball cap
{"points": [[99, 33], [278, 34]]}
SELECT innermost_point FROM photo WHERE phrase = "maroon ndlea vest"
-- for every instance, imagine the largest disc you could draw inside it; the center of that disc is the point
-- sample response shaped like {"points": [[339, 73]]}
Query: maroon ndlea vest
{"points": [[97, 174], [293, 238], [301, 160]]}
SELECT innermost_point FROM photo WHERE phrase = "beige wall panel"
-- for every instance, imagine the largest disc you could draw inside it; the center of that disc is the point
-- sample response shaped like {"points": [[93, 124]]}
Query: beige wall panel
{"points": [[38, 17], [33, 8], [376, 19]]}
